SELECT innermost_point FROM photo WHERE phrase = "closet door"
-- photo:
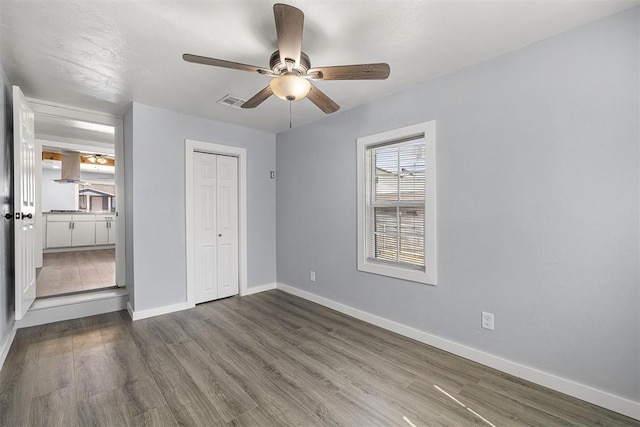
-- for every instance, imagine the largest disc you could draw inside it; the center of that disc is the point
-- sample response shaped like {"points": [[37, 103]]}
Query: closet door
{"points": [[215, 196], [227, 225]]}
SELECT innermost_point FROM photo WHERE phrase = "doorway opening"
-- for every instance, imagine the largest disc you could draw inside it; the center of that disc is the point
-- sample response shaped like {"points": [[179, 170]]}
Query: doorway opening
{"points": [[78, 219], [78, 187]]}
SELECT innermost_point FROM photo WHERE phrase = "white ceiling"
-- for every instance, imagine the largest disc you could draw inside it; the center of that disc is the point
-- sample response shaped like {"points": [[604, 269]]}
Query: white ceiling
{"points": [[102, 55], [62, 130]]}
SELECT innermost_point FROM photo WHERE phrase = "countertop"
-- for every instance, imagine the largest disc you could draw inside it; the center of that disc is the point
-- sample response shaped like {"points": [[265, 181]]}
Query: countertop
{"points": [[78, 213]]}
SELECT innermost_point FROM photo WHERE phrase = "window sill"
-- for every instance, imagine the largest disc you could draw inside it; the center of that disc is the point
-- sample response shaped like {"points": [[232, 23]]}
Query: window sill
{"points": [[397, 272]]}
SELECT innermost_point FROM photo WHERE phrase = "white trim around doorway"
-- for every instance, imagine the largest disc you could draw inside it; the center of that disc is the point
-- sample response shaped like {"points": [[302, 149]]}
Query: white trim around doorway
{"points": [[192, 146]]}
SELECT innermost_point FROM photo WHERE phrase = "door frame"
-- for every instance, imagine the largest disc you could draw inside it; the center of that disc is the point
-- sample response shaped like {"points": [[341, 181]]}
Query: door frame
{"points": [[192, 146], [52, 109]]}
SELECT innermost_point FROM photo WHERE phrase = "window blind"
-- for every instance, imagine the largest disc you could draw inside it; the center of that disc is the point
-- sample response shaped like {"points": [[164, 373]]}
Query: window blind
{"points": [[397, 201]]}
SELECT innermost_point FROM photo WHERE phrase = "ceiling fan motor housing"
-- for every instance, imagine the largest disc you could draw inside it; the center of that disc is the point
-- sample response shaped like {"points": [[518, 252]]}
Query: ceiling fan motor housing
{"points": [[279, 68]]}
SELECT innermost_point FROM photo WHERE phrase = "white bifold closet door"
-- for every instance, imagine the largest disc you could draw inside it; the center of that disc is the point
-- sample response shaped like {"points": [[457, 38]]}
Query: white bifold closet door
{"points": [[215, 226]]}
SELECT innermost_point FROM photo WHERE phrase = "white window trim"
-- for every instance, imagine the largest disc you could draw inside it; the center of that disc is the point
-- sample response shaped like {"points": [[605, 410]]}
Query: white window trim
{"points": [[429, 275]]}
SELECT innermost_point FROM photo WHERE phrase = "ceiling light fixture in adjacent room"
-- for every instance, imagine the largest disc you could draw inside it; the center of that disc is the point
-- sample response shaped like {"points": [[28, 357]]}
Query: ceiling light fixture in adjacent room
{"points": [[97, 158], [101, 160]]}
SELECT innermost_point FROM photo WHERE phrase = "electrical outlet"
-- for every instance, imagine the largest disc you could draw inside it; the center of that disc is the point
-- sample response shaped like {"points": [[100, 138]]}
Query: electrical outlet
{"points": [[312, 276], [487, 320]]}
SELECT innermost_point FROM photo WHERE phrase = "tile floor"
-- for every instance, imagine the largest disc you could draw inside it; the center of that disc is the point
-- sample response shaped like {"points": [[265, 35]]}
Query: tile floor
{"points": [[65, 272]]}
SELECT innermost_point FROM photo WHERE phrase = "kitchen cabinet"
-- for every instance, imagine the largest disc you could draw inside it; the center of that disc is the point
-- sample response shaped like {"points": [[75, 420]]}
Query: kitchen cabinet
{"points": [[58, 231], [105, 229], [83, 230], [71, 230]]}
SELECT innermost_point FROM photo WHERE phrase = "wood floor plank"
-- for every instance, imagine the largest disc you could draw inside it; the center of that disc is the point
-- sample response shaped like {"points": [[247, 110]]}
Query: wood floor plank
{"points": [[356, 366], [313, 399], [54, 372], [564, 407], [263, 329], [393, 402], [54, 409], [417, 364], [102, 409], [227, 397], [156, 417], [257, 417], [291, 335], [503, 410], [240, 341], [269, 397], [94, 370], [265, 359], [16, 391]]}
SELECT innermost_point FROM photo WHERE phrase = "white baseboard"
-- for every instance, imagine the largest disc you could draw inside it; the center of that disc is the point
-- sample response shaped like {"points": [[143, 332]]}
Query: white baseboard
{"points": [[261, 288], [152, 312], [143, 314], [597, 397], [5, 345], [77, 249]]}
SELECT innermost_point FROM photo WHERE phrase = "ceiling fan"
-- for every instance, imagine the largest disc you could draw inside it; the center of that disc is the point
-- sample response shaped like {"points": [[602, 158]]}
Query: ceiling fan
{"points": [[291, 68]]}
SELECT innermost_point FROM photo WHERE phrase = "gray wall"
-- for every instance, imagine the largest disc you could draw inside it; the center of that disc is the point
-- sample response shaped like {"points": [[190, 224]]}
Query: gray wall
{"points": [[154, 158], [6, 193], [538, 183]]}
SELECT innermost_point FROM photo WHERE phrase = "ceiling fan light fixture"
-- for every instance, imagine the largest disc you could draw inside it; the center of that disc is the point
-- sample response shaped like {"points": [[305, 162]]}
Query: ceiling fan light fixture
{"points": [[290, 87]]}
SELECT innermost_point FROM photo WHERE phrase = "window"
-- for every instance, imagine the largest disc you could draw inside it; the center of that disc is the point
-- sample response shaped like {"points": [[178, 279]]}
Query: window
{"points": [[97, 197], [396, 203]]}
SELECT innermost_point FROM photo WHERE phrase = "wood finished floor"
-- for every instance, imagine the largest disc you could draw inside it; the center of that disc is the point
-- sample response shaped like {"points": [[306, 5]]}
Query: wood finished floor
{"points": [[65, 272], [269, 359]]}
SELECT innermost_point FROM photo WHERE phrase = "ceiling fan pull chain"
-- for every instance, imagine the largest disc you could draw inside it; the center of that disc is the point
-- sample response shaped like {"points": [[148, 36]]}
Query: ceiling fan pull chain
{"points": [[290, 114]]}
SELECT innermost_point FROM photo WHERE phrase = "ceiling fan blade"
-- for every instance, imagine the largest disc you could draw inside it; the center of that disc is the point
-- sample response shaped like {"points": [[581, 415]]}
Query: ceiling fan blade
{"points": [[258, 98], [289, 25], [378, 71], [225, 64], [322, 101]]}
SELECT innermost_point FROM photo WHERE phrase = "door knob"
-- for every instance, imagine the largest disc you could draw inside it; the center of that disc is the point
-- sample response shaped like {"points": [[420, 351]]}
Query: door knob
{"points": [[8, 216], [23, 216]]}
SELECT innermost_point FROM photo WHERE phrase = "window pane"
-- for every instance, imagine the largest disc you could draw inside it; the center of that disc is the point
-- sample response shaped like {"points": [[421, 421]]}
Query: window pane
{"points": [[412, 220], [412, 170], [386, 173], [412, 250], [386, 247], [385, 220]]}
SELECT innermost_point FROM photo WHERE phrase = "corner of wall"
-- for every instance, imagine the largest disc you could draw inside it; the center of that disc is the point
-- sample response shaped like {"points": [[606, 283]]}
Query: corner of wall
{"points": [[128, 214]]}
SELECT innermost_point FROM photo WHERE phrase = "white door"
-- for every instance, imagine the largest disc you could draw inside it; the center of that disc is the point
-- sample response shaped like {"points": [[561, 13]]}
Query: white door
{"points": [[24, 202], [215, 196], [227, 221]]}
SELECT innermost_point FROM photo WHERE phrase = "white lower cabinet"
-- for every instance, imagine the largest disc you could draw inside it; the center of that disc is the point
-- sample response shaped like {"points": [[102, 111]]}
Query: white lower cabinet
{"points": [[58, 231], [83, 231], [74, 230], [105, 229]]}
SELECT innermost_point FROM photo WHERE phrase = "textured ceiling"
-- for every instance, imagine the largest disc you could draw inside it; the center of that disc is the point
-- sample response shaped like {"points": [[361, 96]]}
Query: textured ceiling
{"points": [[102, 55]]}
